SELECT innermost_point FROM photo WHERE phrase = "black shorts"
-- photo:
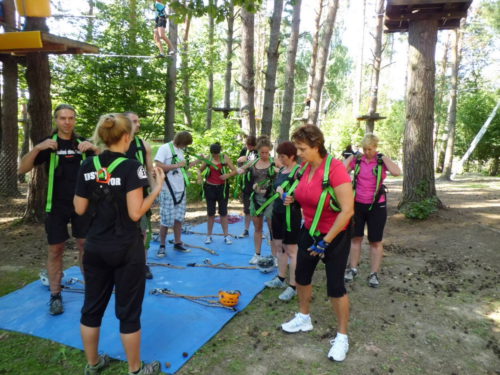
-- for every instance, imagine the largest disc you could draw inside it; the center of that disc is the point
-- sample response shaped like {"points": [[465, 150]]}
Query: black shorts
{"points": [[123, 269], [335, 261], [246, 203], [279, 227], [375, 219], [214, 194], [160, 22], [56, 223]]}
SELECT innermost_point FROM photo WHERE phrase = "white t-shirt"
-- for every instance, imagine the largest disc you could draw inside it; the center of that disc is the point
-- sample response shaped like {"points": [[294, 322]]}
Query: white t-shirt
{"points": [[164, 155]]}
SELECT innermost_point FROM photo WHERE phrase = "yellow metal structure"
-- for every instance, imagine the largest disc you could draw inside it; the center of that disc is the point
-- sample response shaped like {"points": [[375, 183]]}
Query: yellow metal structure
{"points": [[21, 40], [33, 8]]}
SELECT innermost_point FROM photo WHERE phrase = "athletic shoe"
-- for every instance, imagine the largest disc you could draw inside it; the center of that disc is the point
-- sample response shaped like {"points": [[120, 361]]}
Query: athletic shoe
{"points": [[373, 280], [180, 247], [276, 283], [339, 349], [56, 304], [227, 240], [101, 365], [255, 259], [245, 233], [153, 368], [208, 240], [172, 52], [297, 324], [161, 252], [350, 274], [148, 273], [160, 56], [275, 262], [288, 294]]}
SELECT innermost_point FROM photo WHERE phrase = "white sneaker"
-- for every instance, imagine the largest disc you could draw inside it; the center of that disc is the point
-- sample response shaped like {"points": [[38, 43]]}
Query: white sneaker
{"points": [[227, 240], [275, 262], [275, 283], [255, 259], [339, 349], [297, 324], [208, 240], [288, 294]]}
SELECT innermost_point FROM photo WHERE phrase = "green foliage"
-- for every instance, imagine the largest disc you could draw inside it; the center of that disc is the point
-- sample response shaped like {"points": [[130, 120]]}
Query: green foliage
{"points": [[391, 130], [424, 207]]}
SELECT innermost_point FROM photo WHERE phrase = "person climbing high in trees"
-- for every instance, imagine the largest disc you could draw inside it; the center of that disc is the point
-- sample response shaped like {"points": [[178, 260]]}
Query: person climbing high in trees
{"points": [[159, 30]]}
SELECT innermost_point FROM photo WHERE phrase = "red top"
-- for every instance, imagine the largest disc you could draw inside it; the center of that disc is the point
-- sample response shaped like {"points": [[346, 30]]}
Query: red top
{"points": [[215, 174], [309, 192]]}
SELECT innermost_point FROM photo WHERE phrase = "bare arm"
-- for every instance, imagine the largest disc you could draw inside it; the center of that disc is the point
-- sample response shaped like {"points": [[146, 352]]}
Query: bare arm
{"points": [[392, 167], [149, 163], [28, 161], [231, 166], [81, 204], [137, 205], [169, 167], [347, 163]]}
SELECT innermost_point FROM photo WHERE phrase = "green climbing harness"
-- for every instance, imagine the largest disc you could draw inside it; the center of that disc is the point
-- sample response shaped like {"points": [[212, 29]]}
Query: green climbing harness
{"points": [[327, 190], [206, 172], [53, 164], [379, 187]]}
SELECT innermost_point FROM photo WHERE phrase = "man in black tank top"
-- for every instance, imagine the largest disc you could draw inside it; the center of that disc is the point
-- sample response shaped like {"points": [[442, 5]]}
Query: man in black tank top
{"points": [[140, 150]]}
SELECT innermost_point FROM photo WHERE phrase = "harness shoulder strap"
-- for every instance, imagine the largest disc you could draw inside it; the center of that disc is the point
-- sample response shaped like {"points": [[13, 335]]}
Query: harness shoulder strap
{"points": [[53, 164], [140, 155]]}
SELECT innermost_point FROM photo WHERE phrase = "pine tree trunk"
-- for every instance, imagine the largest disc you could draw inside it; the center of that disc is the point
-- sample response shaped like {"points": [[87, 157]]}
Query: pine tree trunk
{"points": [[247, 106], [272, 67], [26, 136], [210, 94], [90, 23], [39, 108], [452, 111], [323, 52], [361, 61], [229, 59], [315, 46], [418, 181], [9, 132], [377, 61], [186, 98], [170, 85], [440, 89], [288, 96]]}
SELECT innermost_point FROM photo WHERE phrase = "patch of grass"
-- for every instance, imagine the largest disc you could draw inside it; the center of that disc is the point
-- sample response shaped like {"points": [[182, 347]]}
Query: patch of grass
{"points": [[15, 279], [477, 186]]}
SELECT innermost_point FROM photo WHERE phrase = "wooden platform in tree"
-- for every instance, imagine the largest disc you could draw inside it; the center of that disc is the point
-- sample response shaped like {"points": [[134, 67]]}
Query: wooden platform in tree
{"points": [[399, 13], [374, 117], [23, 42]]}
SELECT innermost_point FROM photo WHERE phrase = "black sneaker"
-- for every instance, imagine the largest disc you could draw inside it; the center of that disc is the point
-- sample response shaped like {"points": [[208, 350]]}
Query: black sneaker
{"points": [[56, 305], [153, 368], [101, 365], [180, 247], [148, 273], [245, 233]]}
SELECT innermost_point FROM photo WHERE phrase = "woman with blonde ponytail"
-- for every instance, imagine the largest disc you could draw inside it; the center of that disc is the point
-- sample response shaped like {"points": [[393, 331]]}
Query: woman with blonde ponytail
{"points": [[110, 187]]}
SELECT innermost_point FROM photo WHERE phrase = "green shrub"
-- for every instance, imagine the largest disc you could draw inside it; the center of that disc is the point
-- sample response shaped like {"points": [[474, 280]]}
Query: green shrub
{"points": [[420, 210]]}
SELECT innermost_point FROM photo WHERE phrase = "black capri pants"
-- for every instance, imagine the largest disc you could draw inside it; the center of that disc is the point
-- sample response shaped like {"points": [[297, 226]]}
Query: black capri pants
{"points": [[160, 21], [335, 260], [123, 268], [374, 219], [214, 194], [279, 228]]}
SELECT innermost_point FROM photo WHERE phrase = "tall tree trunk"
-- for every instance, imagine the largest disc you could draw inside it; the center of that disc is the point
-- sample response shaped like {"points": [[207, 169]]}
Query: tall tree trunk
{"points": [[286, 115], [247, 106], [377, 60], [272, 67], [229, 59], [418, 181], [323, 52], [39, 108], [90, 22], [452, 110], [315, 46], [186, 98], [211, 31], [361, 61], [170, 85], [9, 139], [25, 148]]}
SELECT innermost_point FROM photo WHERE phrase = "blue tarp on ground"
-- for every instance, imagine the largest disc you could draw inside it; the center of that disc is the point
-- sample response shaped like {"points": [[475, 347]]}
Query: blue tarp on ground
{"points": [[170, 326]]}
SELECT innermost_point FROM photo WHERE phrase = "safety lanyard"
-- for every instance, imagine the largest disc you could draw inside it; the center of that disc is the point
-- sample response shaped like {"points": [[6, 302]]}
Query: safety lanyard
{"points": [[327, 190], [379, 181], [53, 164], [284, 185], [174, 160]]}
